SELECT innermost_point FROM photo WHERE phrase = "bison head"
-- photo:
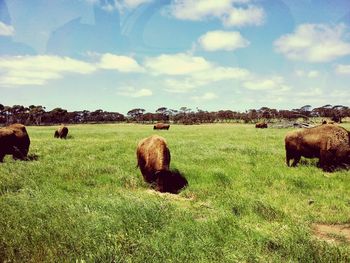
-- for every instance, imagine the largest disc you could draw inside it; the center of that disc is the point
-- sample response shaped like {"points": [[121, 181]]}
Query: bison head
{"points": [[170, 181]]}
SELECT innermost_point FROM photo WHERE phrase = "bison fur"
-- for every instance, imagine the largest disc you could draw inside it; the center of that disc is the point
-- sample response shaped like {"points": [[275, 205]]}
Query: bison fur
{"points": [[161, 126], [14, 140], [61, 132], [329, 143], [153, 159], [261, 125]]}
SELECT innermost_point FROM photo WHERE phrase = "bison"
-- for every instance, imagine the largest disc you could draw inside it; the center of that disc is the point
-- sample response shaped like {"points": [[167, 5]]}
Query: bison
{"points": [[261, 125], [61, 132], [153, 159], [14, 140], [329, 143], [161, 126]]}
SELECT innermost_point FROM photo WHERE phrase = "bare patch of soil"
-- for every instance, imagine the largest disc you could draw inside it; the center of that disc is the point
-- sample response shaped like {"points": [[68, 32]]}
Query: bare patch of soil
{"points": [[339, 233]]}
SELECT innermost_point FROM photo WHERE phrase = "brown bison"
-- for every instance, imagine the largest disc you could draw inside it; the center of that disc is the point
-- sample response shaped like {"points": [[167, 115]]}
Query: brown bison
{"points": [[261, 125], [153, 159], [161, 126], [328, 122], [14, 140], [61, 132], [329, 143]]}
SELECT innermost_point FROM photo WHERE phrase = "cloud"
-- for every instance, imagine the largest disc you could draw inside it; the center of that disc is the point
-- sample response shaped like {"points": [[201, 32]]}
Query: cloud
{"points": [[37, 70], [120, 5], [309, 74], [181, 85], [275, 83], [135, 3], [177, 64], [205, 97], [216, 73], [222, 40], [198, 79], [6, 30], [134, 93], [252, 15], [190, 72], [120, 63], [343, 69], [314, 43], [225, 10]]}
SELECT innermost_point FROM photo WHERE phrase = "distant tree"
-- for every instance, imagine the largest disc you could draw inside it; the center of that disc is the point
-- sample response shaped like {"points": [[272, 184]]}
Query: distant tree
{"points": [[35, 114], [163, 114], [135, 114], [339, 112], [305, 110]]}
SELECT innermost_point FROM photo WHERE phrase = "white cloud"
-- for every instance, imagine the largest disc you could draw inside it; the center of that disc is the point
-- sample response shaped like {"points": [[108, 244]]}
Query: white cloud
{"points": [[274, 83], [205, 97], [134, 93], [252, 15], [177, 64], [37, 70], [135, 3], [120, 63], [216, 73], [120, 5], [225, 10], [343, 69], [222, 40], [181, 85], [6, 30], [311, 92], [309, 74], [190, 72], [314, 43], [202, 78]]}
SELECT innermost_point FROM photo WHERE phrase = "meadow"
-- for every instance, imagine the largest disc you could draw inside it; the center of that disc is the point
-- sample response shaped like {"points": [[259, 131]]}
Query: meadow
{"points": [[84, 200]]}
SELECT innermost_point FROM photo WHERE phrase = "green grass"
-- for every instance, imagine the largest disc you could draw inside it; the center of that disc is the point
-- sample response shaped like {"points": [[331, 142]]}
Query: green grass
{"points": [[84, 199]]}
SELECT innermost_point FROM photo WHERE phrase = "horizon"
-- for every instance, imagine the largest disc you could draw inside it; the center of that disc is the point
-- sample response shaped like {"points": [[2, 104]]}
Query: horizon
{"points": [[212, 55]]}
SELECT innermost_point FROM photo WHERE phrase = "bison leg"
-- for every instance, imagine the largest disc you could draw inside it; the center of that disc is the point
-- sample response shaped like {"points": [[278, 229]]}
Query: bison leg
{"points": [[296, 160], [325, 161], [288, 157], [17, 154], [2, 157]]}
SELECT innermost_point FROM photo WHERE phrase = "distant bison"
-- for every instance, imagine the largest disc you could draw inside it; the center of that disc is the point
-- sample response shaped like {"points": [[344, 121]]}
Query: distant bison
{"points": [[161, 126], [329, 143], [261, 125], [14, 140], [153, 159], [328, 122], [61, 132]]}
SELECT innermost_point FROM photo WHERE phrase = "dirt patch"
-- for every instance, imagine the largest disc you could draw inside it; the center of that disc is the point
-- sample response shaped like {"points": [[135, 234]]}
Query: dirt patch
{"points": [[339, 233], [169, 196]]}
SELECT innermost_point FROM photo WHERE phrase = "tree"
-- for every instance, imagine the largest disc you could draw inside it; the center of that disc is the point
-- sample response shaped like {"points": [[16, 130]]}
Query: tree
{"points": [[35, 114], [135, 114]]}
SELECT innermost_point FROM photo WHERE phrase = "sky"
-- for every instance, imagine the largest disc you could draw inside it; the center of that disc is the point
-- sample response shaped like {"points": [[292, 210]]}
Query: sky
{"points": [[117, 55]]}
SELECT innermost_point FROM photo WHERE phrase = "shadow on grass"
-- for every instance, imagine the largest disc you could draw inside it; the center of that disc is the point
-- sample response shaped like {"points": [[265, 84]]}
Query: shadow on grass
{"points": [[31, 157]]}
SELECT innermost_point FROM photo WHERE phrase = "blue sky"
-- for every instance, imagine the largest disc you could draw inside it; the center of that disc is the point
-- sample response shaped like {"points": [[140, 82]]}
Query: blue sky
{"points": [[209, 54]]}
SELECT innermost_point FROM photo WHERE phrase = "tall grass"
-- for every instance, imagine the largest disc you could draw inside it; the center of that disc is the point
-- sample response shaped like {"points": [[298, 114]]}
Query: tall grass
{"points": [[84, 199]]}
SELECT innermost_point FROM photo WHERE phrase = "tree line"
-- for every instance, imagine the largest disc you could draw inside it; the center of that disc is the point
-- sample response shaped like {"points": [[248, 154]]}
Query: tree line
{"points": [[38, 115]]}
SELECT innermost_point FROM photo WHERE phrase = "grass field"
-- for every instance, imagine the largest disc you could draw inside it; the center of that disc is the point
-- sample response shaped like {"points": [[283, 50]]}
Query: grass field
{"points": [[83, 199]]}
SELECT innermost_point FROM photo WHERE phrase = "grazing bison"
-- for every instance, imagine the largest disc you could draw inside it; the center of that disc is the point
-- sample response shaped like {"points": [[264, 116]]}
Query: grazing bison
{"points": [[328, 122], [329, 143], [14, 140], [153, 159], [61, 132], [161, 126], [261, 125]]}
